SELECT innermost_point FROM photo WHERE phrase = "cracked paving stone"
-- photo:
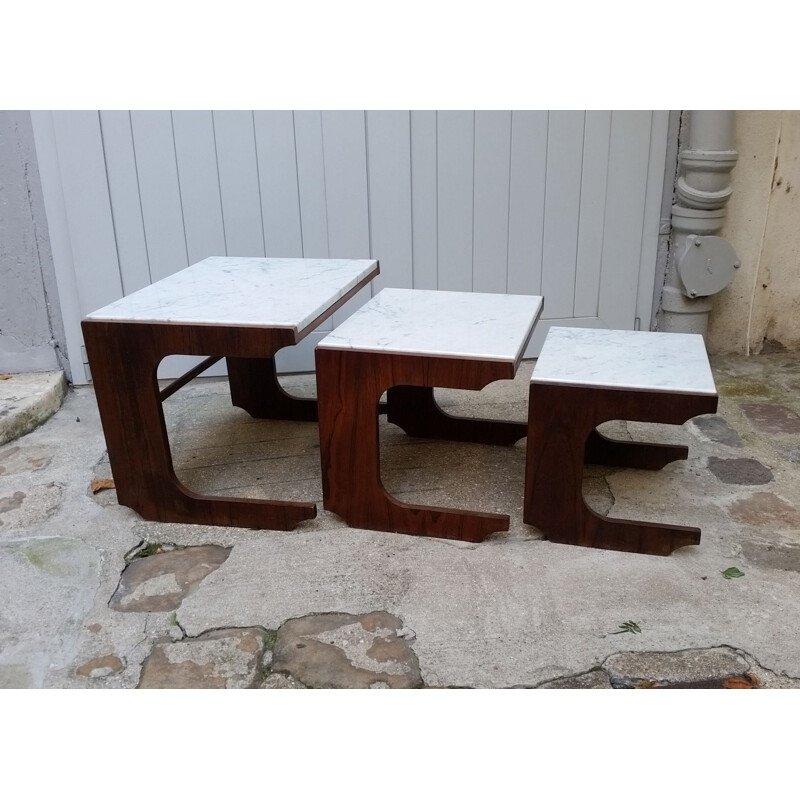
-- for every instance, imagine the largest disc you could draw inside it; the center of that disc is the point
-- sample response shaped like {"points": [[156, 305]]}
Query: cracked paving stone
{"points": [[17, 459], [161, 582], [766, 509], [771, 418], [596, 679], [716, 668], [344, 651], [718, 429], [34, 505], [223, 659], [101, 667], [740, 471]]}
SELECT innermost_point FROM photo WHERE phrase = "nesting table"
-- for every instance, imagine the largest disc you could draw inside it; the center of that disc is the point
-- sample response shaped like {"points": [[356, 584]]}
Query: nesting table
{"points": [[403, 342], [408, 341], [583, 378], [244, 309]]}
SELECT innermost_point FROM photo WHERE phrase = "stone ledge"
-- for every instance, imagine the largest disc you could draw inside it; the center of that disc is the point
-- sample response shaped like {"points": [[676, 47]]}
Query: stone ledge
{"points": [[27, 400]]}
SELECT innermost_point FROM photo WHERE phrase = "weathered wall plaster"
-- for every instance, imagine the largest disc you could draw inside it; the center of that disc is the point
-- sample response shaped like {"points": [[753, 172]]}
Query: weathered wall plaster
{"points": [[30, 316], [760, 310]]}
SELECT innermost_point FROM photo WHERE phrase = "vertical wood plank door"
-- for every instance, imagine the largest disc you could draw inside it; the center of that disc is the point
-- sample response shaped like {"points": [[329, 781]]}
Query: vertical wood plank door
{"points": [[564, 203]]}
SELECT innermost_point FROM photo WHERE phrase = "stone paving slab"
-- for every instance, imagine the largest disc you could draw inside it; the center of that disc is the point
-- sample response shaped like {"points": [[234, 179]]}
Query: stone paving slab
{"points": [[718, 429], [343, 651], [161, 581], [222, 659], [772, 418], [740, 471], [24, 509]]}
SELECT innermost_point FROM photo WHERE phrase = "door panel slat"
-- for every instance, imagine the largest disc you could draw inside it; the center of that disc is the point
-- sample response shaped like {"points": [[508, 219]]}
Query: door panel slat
{"points": [[490, 226], [160, 192], [564, 204]]}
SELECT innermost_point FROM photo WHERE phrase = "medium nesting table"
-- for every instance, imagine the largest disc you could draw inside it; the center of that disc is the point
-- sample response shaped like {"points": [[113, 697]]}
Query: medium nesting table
{"points": [[583, 378], [408, 341], [245, 309]]}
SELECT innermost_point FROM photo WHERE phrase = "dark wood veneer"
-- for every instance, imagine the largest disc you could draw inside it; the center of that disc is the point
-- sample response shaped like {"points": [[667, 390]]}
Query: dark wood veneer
{"points": [[561, 437], [415, 410], [124, 358], [350, 384]]}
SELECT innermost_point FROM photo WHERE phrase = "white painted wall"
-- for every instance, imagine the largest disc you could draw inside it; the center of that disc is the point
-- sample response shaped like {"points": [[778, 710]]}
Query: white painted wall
{"points": [[564, 204], [760, 310]]}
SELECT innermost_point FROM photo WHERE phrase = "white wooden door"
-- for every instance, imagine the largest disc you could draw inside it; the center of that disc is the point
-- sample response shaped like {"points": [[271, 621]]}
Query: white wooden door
{"points": [[564, 204]]}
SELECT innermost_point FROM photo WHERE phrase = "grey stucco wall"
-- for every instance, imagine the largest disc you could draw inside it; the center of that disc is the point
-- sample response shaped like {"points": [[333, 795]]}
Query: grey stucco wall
{"points": [[31, 330]]}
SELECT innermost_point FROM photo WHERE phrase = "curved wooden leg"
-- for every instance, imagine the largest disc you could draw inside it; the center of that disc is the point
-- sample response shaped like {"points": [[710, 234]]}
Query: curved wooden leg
{"points": [[350, 385], [415, 410], [255, 388], [561, 423], [124, 359], [601, 449], [628, 536]]}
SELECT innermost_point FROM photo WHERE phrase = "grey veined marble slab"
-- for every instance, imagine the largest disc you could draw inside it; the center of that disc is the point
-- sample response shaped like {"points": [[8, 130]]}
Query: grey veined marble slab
{"points": [[264, 292], [434, 323], [661, 362]]}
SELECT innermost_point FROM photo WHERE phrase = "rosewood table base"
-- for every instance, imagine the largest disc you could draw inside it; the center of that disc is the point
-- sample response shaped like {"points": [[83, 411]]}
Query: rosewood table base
{"points": [[562, 437], [350, 384], [124, 358]]}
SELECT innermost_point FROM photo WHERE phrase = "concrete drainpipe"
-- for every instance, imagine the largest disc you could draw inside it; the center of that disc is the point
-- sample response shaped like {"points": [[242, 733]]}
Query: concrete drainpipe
{"points": [[700, 263]]}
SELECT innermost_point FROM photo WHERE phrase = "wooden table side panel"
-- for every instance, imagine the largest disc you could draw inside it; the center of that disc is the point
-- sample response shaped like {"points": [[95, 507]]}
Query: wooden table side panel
{"points": [[350, 385], [124, 359], [561, 420]]}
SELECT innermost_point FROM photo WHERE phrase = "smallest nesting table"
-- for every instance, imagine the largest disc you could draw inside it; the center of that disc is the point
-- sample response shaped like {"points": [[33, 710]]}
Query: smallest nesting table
{"points": [[583, 378], [408, 341]]}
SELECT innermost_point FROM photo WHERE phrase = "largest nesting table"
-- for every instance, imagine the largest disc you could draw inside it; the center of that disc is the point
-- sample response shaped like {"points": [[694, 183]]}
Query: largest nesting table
{"points": [[244, 309]]}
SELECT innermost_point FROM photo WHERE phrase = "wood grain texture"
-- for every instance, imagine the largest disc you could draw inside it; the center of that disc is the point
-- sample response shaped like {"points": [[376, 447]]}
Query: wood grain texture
{"points": [[601, 449], [415, 410], [255, 388], [124, 357], [349, 385], [561, 419]]}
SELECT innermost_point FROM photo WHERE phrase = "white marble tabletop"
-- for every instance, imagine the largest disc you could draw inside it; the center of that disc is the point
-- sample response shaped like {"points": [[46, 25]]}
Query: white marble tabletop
{"points": [[660, 362], [260, 292], [496, 327]]}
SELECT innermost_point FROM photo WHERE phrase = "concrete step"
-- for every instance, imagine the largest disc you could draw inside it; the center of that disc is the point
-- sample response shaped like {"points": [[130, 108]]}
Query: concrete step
{"points": [[27, 400]]}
